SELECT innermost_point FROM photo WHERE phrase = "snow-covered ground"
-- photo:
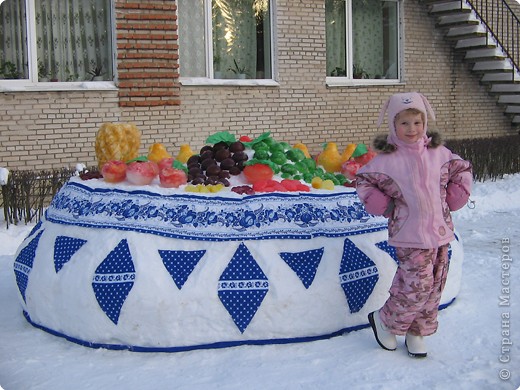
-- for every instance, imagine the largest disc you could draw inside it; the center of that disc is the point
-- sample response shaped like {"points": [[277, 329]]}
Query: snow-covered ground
{"points": [[477, 345]]}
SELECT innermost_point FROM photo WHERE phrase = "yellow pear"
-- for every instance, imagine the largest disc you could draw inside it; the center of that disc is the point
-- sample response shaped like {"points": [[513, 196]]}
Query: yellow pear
{"points": [[329, 158], [185, 153]]}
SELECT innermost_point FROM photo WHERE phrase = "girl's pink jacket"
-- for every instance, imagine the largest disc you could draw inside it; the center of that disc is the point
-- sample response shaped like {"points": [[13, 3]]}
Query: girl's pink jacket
{"points": [[416, 186]]}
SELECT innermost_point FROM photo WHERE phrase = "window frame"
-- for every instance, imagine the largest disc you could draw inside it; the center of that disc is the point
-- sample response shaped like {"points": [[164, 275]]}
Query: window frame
{"points": [[349, 80], [208, 37], [32, 83]]}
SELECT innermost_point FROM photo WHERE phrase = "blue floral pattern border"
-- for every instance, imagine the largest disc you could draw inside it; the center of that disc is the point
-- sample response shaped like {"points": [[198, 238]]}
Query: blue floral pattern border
{"points": [[215, 218]]}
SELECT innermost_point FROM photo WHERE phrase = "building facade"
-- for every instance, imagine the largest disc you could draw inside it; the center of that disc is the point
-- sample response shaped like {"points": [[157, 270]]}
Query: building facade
{"points": [[50, 125]]}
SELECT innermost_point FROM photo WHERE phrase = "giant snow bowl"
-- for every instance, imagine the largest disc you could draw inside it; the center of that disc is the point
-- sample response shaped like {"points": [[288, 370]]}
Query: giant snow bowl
{"points": [[150, 270]]}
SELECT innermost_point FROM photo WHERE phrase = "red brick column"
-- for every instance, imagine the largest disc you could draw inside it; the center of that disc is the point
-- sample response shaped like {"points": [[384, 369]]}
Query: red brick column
{"points": [[147, 53]]}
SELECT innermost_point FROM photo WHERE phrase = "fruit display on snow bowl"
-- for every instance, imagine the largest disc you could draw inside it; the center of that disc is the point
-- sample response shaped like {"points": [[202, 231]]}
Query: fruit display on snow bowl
{"points": [[188, 255]]}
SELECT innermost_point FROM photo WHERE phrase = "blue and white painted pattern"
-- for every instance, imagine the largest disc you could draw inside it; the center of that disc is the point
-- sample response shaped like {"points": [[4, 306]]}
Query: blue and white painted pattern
{"points": [[24, 263], [304, 264], [180, 264], [169, 286], [191, 217], [242, 287], [113, 280], [358, 276], [64, 249]]}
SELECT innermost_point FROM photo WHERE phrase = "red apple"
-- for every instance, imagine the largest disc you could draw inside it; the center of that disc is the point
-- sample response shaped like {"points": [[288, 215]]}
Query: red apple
{"points": [[349, 169], [141, 173], [256, 172], [365, 158], [165, 163], [172, 178], [114, 171]]}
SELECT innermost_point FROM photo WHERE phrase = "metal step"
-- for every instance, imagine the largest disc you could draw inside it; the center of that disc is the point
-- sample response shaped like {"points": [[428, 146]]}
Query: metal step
{"points": [[496, 65], [516, 120]]}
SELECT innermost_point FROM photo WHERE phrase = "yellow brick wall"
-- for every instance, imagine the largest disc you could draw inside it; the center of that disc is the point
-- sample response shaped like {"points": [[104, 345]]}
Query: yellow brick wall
{"points": [[41, 130]]}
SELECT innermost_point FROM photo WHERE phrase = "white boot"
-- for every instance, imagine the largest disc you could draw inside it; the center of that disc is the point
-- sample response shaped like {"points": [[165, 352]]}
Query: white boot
{"points": [[415, 345], [383, 336]]}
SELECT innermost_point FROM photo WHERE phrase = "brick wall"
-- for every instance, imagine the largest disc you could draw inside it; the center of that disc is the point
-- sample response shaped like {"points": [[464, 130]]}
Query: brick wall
{"points": [[56, 129], [147, 53], [303, 109], [44, 130]]}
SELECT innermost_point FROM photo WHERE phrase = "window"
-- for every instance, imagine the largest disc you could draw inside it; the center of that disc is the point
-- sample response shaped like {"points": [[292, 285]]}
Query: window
{"points": [[362, 39], [55, 40], [225, 39]]}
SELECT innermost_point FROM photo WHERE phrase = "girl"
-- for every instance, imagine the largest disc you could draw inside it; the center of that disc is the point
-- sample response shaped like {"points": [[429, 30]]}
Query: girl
{"points": [[414, 181]]}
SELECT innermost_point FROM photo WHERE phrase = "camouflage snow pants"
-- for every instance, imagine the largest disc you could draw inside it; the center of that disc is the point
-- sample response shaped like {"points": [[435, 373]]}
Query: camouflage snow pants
{"points": [[416, 290]]}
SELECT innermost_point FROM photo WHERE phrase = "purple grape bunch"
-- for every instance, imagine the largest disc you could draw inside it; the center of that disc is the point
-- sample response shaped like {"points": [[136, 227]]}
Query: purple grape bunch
{"points": [[215, 164]]}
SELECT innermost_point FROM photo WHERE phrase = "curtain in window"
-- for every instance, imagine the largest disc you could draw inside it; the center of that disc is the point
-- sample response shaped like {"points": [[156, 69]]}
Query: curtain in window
{"points": [[362, 38], [192, 35], [367, 39], [234, 36], [13, 40], [335, 17], [239, 40], [73, 39]]}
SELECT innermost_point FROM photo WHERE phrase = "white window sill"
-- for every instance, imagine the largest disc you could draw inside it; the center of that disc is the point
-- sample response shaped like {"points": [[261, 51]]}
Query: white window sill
{"points": [[26, 86], [207, 82], [333, 82]]}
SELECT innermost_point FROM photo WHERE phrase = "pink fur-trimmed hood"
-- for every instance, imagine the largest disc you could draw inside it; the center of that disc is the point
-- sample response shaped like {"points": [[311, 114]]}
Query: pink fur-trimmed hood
{"points": [[400, 102]]}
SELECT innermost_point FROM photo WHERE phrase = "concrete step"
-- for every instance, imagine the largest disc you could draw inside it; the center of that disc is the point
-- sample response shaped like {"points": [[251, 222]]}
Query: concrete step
{"points": [[449, 7], [512, 110], [509, 99], [458, 19], [473, 43], [493, 65], [485, 53], [472, 30], [498, 77], [505, 88], [461, 24]]}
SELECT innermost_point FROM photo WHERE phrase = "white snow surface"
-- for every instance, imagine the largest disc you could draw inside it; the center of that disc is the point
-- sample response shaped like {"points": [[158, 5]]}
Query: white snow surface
{"points": [[477, 342], [4, 176]]}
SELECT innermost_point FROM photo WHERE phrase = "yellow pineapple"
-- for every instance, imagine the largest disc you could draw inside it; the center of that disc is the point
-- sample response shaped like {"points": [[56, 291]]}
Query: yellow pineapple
{"points": [[117, 141]]}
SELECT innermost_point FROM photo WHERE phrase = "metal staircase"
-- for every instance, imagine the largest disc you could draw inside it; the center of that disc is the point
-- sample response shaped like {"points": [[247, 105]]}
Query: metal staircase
{"points": [[488, 31]]}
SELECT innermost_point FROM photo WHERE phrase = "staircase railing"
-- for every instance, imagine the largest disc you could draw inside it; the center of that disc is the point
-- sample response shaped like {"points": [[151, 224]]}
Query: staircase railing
{"points": [[502, 24]]}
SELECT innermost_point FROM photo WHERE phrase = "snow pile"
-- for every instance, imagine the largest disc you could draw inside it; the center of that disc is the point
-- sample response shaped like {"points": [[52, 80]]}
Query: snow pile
{"points": [[476, 346], [4, 176], [492, 197]]}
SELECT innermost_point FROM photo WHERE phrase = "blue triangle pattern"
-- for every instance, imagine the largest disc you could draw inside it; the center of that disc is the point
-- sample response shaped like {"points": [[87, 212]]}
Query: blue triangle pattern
{"points": [[23, 264], [180, 264], [358, 276], [242, 287], [384, 246], [64, 249], [304, 264], [113, 280]]}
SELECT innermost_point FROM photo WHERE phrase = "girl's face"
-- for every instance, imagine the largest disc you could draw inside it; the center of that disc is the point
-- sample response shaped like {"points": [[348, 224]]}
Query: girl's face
{"points": [[409, 126]]}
